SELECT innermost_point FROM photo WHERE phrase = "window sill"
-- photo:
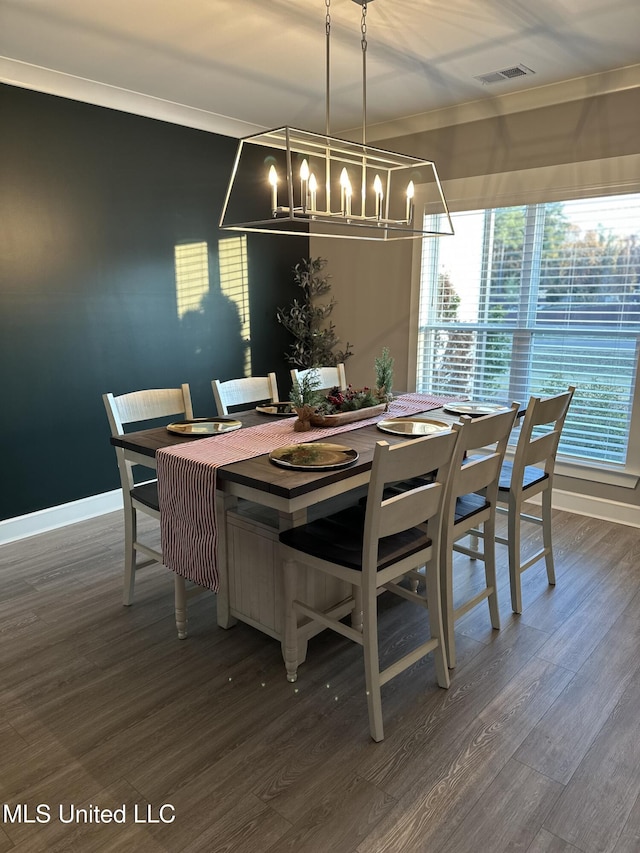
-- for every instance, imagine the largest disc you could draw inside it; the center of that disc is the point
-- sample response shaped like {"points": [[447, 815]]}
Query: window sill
{"points": [[584, 470]]}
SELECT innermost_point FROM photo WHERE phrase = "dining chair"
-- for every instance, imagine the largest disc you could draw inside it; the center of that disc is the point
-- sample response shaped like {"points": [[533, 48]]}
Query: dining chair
{"points": [[248, 389], [137, 407], [329, 377], [531, 474], [471, 502], [373, 548]]}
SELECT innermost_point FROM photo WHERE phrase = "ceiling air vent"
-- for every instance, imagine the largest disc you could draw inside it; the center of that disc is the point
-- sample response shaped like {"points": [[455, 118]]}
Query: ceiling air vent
{"points": [[505, 74]]}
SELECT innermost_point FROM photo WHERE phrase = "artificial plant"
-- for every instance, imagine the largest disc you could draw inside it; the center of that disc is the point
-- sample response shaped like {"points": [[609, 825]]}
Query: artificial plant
{"points": [[307, 320], [384, 375]]}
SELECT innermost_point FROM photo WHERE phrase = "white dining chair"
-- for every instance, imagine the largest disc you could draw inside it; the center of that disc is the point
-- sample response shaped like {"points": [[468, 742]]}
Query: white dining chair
{"points": [[373, 548], [329, 377], [136, 408], [240, 392], [531, 474], [470, 510]]}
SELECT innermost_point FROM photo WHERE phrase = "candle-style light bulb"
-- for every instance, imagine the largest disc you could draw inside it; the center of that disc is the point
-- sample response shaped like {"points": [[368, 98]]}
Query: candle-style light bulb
{"points": [[410, 193], [348, 192], [304, 180], [273, 180], [313, 188], [377, 187], [344, 183]]}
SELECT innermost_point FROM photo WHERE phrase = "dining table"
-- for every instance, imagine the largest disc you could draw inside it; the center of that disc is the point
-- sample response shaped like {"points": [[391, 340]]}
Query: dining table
{"points": [[253, 500]]}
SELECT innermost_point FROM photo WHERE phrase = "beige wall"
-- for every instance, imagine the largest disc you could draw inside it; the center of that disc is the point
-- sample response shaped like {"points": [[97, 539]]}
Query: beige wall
{"points": [[369, 282], [593, 128], [373, 282]]}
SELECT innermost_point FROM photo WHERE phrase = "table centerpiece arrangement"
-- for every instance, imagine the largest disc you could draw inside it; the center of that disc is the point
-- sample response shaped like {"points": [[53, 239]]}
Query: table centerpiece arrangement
{"points": [[342, 406]]}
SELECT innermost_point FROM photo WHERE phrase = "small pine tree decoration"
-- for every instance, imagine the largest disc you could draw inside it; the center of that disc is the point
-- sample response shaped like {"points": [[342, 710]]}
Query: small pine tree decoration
{"points": [[384, 376], [305, 396], [306, 392], [315, 338]]}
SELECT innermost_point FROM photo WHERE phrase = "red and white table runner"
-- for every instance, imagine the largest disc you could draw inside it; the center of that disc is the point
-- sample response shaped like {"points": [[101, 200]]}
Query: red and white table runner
{"points": [[187, 482]]}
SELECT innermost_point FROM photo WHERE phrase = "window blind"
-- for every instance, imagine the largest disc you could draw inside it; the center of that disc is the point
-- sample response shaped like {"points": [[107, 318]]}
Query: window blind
{"points": [[533, 298]]}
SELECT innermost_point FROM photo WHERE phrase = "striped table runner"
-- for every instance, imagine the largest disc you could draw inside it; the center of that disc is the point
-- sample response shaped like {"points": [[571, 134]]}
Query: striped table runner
{"points": [[187, 482]]}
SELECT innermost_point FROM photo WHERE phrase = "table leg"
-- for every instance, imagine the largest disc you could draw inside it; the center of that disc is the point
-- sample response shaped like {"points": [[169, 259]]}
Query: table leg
{"points": [[224, 503], [180, 593]]}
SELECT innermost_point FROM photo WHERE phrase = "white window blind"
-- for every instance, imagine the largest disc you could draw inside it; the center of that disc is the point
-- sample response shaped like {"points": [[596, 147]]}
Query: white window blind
{"points": [[531, 299]]}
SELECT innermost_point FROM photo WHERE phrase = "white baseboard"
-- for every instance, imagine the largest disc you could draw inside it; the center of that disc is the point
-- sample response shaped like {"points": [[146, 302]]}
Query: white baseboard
{"points": [[600, 508], [59, 516]]}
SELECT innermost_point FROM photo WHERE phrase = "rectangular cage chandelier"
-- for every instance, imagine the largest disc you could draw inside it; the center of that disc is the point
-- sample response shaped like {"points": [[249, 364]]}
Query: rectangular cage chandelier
{"points": [[296, 182]]}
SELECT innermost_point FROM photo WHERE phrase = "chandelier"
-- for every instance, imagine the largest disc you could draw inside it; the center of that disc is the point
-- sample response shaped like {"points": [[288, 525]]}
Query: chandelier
{"points": [[296, 182]]}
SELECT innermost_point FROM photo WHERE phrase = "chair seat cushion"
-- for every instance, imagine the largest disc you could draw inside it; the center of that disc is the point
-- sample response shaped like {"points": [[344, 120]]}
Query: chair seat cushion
{"points": [[338, 539], [147, 494], [469, 505], [531, 475]]}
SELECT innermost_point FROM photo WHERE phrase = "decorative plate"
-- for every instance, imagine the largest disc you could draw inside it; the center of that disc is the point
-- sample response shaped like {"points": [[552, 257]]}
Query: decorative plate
{"points": [[285, 410], [313, 456], [204, 426], [412, 426], [475, 410]]}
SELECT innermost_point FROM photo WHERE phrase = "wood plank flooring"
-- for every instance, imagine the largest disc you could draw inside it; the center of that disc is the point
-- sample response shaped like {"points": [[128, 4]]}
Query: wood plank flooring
{"points": [[535, 747]]}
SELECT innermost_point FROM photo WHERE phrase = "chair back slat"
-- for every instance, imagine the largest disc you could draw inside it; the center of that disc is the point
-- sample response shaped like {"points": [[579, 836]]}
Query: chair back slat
{"points": [[329, 377], [476, 474], [541, 448], [247, 389], [550, 409], [410, 509]]}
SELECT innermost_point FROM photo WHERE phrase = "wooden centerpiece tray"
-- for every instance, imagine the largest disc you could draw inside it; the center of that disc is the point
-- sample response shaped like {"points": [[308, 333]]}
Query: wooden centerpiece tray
{"points": [[340, 418]]}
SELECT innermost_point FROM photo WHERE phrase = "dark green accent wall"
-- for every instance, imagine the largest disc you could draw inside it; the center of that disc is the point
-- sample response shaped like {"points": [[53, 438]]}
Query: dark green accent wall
{"points": [[92, 203]]}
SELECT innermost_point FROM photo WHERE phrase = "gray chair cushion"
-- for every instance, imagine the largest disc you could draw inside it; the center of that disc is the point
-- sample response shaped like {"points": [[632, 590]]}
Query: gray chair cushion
{"points": [[147, 494], [531, 475], [338, 539], [468, 505]]}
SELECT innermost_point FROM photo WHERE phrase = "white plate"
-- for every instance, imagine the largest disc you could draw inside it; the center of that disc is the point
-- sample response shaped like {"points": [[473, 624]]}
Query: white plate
{"points": [[277, 409], [412, 426], [474, 410], [204, 426]]}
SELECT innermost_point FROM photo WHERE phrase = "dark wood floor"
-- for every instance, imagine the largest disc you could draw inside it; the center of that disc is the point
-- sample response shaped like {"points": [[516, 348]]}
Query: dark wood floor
{"points": [[535, 747]]}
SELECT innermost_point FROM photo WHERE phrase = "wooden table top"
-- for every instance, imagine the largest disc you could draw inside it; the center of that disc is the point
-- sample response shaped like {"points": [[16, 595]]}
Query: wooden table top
{"points": [[261, 474]]}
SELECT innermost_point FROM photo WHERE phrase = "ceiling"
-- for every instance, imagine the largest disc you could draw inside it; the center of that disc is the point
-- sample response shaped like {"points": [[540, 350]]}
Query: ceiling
{"points": [[262, 62]]}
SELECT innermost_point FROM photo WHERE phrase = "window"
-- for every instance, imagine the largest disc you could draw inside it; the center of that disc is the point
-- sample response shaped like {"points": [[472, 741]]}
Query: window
{"points": [[531, 299]]}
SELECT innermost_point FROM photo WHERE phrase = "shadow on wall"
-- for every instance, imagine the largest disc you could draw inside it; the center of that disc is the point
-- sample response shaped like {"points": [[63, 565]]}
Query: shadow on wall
{"points": [[212, 298]]}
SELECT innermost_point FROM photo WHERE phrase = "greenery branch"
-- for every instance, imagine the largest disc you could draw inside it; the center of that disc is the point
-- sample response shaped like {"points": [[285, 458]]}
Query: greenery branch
{"points": [[308, 321], [305, 392]]}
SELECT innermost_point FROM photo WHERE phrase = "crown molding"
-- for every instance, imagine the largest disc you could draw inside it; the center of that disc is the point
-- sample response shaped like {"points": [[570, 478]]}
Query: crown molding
{"points": [[52, 82]]}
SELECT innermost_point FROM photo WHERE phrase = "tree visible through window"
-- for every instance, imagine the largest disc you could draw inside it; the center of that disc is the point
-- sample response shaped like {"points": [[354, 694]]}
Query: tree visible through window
{"points": [[531, 299]]}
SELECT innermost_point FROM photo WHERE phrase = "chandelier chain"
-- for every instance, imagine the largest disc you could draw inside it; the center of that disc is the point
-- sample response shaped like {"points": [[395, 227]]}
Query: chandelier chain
{"points": [[363, 42], [327, 27], [363, 27]]}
